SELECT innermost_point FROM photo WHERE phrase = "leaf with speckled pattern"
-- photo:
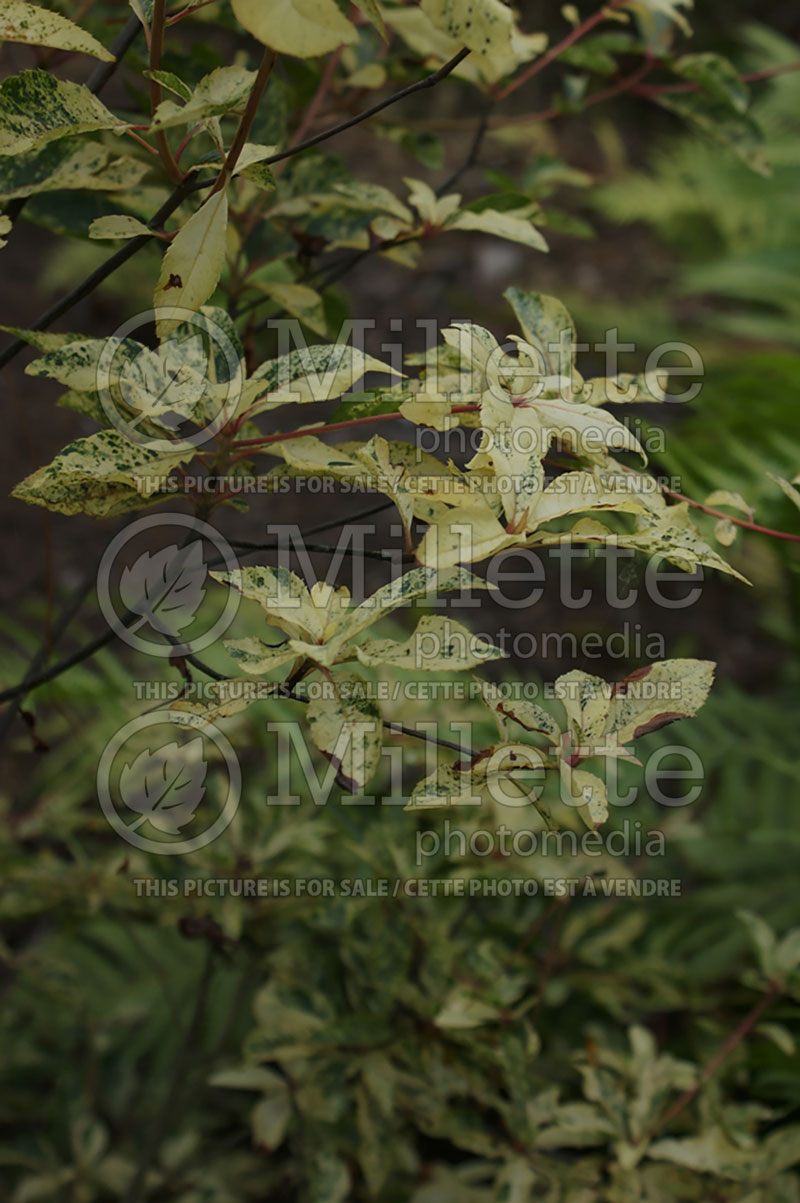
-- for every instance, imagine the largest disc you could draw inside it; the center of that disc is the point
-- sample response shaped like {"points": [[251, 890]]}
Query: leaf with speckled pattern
{"points": [[317, 373], [416, 583], [255, 656], [528, 714], [22, 22], [287, 601], [70, 163], [218, 93], [656, 695], [35, 108], [223, 699], [193, 263], [101, 475], [484, 25], [588, 794], [437, 645], [670, 534], [345, 724]]}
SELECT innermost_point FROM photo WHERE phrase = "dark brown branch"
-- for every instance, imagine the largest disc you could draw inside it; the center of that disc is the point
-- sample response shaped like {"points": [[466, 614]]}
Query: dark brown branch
{"points": [[189, 186], [119, 48], [392, 728], [156, 46], [89, 649], [428, 82], [472, 154], [248, 117], [101, 273]]}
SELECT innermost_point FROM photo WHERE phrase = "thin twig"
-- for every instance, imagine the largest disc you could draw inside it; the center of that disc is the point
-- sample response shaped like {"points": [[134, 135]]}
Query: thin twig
{"points": [[750, 77], [28, 681], [251, 108], [89, 649], [559, 48], [316, 100], [106, 269], [707, 509], [186, 188], [323, 548], [166, 1114], [156, 46], [472, 155], [283, 436], [735, 1038], [428, 82]]}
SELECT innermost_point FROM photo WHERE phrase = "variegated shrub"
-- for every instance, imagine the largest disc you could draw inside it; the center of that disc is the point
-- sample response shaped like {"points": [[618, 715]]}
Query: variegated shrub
{"points": [[554, 463], [413, 1053]]}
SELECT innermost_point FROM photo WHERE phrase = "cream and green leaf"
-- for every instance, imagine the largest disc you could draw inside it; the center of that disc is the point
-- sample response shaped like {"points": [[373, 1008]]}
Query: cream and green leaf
{"points": [[600, 720]]}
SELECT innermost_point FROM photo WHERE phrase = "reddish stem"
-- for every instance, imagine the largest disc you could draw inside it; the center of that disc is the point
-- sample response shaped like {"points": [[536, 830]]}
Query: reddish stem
{"points": [[735, 1038], [283, 436], [707, 509], [156, 45], [575, 35], [186, 12], [318, 97], [750, 78], [185, 142], [142, 142], [247, 119]]}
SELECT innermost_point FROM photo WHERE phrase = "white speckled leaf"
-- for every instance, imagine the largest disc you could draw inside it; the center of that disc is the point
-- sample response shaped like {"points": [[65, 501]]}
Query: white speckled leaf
{"points": [[23, 22], [416, 583], [35, 107], [255, 656], [316, 373], [346, 727], [286, 600], [67, 164], [118, 225], [223, 699], [438, 645], [219, 92], [100, 475]]}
